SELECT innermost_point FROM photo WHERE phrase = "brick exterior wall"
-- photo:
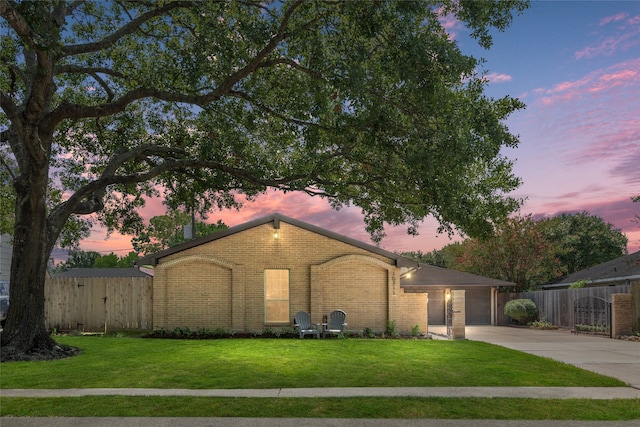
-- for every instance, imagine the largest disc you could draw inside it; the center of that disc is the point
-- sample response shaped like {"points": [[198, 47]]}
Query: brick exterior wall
{"points": [[621, 315], [221, 283]]}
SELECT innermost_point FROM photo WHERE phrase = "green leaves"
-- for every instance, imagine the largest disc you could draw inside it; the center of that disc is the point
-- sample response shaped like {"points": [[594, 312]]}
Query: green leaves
{"points": [[531, 252], [364, 103], [585, 240], [165, 231]]}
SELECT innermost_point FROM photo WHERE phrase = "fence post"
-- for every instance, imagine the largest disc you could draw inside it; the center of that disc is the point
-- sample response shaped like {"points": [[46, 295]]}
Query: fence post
{"points": [[621, 315], [635, 296], [458, 321]]}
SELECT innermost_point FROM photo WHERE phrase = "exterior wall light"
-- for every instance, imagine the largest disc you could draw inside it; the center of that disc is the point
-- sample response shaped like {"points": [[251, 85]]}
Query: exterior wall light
{"points": [[276, 228]]}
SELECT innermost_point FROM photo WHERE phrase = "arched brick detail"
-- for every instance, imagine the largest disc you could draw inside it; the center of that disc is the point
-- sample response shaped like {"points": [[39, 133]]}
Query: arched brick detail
{"points": [[194, 291], [356, 258], [359, 284], [200, 258]]}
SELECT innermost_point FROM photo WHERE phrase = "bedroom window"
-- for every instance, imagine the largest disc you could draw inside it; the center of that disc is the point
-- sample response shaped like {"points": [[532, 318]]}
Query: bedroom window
{"points": [[276, 293]]}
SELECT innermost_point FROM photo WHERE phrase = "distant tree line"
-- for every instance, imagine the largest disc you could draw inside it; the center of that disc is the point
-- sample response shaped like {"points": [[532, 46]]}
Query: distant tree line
{"points": [[92, 259], [529, 252], [164, 231]]}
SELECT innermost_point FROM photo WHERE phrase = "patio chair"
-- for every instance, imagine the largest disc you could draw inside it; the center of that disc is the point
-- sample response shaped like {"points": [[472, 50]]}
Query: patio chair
{"points": [[302, 322], [335, 324]]}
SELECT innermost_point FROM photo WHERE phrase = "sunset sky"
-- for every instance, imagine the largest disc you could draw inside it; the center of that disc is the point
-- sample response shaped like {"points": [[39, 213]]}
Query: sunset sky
{"points": [[576, 64]]}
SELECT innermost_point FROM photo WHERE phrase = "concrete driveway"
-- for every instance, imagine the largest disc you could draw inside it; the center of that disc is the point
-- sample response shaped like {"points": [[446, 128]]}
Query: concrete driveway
{"points": [[606, 356]]}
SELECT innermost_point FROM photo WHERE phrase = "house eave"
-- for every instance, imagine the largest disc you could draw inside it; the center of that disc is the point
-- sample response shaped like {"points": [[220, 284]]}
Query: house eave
{"points": [[591, 282]]}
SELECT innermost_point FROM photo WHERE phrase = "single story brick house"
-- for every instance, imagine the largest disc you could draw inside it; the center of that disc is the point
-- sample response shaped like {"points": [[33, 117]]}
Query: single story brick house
{"points": [[481, 302], [259, 274]]}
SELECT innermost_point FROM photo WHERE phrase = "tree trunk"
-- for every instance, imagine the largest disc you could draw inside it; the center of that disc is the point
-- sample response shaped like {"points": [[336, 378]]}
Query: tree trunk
{"points": [[25, 336]]}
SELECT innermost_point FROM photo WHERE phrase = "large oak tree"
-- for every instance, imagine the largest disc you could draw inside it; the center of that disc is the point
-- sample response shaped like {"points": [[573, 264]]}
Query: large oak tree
{"points": [[368, 103]]}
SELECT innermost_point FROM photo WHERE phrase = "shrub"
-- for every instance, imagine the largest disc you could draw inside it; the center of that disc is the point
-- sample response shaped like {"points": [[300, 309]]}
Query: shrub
{"points": [[543, 323], [368, 333], [579, 284], [522, 311], [390, 329], [415, 331]]}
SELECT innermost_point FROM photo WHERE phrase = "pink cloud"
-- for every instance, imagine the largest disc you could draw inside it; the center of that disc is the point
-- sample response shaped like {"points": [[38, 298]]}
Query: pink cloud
{"points": [[614, 18], [621, 75], [606, 46], [498, 77], [625, 38], [625, 74], [347, 221], [628, 168], [614, 142], [449, 22]]}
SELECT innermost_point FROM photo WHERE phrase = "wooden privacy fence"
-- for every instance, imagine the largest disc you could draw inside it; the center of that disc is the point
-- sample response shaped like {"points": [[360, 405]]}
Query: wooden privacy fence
{"points": [[558, 304], [99, 304]]}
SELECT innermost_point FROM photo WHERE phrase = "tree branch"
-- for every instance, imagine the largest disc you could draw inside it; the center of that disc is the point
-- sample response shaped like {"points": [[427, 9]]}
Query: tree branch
{"points": [[72, 68], [292, 64], [74, 5], [19, 24], [10, 108], [75, 111], [88, 199], [125, 30], [270, 111], [7, 167]]}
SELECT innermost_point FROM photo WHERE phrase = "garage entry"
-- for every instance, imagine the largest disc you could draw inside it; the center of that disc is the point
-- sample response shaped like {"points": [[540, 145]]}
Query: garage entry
{"points": [[477, 305], [437, 281]]}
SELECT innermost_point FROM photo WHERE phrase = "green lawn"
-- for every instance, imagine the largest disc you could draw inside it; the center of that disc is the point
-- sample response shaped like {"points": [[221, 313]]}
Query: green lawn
{"points": [[285, 363], [353, 407], [274, 363]]}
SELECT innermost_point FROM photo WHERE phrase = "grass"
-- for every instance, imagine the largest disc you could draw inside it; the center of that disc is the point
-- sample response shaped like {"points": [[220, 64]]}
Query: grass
{"points": [[287, 363], [353, 407], [290, 363]]}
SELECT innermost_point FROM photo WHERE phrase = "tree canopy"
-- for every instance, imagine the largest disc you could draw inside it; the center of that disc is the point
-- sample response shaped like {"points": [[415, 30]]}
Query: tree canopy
{"points": [[367, 103], [585, 240], [517, 252], [530, 252], [166, 231], [92, 259]]}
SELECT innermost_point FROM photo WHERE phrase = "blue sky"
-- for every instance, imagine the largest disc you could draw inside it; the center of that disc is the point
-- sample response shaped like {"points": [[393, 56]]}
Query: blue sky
{"points": [[576, 64]]}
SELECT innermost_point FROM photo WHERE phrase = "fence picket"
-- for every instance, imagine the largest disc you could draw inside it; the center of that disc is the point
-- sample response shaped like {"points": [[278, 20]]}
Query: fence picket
{"points": [[557, 304], [79, 304]]}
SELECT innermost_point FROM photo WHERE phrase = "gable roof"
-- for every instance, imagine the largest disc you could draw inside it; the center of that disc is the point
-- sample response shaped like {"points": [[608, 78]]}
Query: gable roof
{"points": [[101, 272], [276, 218], [625, 267], [430, 275]]}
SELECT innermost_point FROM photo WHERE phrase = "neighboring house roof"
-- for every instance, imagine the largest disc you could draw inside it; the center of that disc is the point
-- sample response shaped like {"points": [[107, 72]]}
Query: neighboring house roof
{"points": [[429, 275], [102, 272], [624, 268], [276, 219]]}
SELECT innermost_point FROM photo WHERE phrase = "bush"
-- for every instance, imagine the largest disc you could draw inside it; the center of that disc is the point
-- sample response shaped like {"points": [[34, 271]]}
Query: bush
{"points": [[543, 324], [579, 284], [415, 331], [390, 329], [522, 311]]}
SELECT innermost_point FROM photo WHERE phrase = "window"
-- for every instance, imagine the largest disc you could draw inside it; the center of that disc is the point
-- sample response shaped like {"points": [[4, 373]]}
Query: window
{"points": [[276, 292]]}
